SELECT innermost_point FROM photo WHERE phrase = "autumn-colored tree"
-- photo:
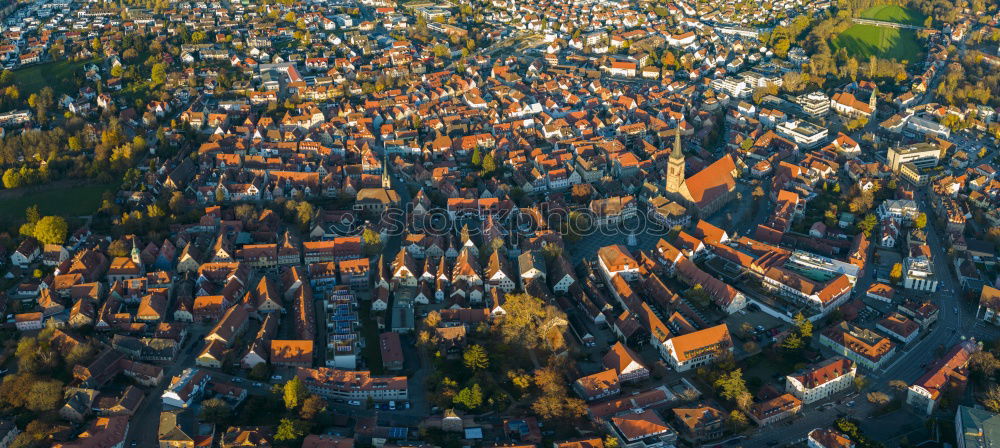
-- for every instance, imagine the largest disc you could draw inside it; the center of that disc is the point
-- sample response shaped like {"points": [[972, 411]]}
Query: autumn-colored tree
{"points": [[475, 358], [530, 323], [878, 398], [731, 386], [896, 274], [470, 397], [312, 406], [984, 364], [991, 399], [294, 393]]}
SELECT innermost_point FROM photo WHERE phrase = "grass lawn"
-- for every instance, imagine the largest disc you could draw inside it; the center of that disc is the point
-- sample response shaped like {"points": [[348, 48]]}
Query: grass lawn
{"points": [[57, 74], [893, 13], [66, 201], [862, 41]]}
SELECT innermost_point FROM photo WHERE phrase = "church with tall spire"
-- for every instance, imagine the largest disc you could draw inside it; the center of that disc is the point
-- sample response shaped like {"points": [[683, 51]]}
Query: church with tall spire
{"points": [[707, 190]]}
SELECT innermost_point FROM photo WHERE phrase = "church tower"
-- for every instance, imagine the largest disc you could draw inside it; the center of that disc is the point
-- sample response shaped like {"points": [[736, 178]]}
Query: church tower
{"points": [[386, 180], [873, 99], [137, 255], [675, 166]]}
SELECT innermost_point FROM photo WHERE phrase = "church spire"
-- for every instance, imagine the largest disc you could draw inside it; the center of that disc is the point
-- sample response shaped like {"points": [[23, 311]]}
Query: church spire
{"points": [[677, 153], [675, 166], [386, 180]]}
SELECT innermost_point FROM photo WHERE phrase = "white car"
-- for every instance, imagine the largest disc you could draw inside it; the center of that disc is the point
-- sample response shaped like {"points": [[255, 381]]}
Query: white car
{"points": [[392, 405], [354, 403]]}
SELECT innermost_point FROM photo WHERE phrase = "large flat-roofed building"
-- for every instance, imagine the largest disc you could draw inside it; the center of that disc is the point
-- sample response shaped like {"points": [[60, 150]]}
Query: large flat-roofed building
{"points": [[923, 155], [975, 428], [815, 104], [925, 125], [912, 162], [803, 133]]}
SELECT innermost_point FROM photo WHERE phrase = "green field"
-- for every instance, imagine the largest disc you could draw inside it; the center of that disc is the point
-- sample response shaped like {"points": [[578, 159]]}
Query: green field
{"points": [[893, 13], [66, 201], [862, 41], [58, 74]]}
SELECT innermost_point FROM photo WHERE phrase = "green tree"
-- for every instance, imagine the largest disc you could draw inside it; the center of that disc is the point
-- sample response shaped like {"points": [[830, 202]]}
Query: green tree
{"points": [[79, 354], [867, 224], [290, 430], [489, 165], [477, 157], [475, 358], [372, 240], [51, 230], [531, 323], [470, 398], [804, 326], [732, 387], [32, 215], [793, 342], [737, 421], [12, 178], [159, 74], [44, 396], [860, 382], [294, 393], [304, 214], [921, 221]]}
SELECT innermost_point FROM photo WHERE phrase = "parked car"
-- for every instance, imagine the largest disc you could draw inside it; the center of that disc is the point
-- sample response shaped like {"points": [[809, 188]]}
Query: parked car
{"points": [[354, 403]]}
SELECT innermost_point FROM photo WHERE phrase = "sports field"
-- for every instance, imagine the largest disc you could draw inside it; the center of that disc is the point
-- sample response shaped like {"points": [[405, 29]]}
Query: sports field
{"points": [[893, 13], [57, 74], [67, 201], [862, 41]]}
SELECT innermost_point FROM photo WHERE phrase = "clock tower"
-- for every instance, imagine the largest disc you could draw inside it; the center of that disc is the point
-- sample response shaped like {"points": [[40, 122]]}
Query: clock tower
{"points": [[675, 166]]}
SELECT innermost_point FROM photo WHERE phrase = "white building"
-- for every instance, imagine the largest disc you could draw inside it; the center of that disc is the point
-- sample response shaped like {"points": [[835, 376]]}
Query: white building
{"points": [[803, 133], [691, 350], [185, 388], [822, 381], [616, 260], [899, 210], [919, 274]]}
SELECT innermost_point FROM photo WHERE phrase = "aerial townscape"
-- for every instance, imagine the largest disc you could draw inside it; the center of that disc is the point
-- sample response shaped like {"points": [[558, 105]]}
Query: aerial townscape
{"points": [[499, 223]]}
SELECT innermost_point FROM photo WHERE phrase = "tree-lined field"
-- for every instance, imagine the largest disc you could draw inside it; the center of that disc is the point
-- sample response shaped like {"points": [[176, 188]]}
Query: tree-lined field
{"points": [[862, 41], [68, 201]]}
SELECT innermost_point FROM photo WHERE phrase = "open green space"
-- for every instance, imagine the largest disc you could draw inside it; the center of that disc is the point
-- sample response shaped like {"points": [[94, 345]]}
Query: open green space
{"points": [[894, 13], [862, 41], [65, 201], [58, 75]]}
